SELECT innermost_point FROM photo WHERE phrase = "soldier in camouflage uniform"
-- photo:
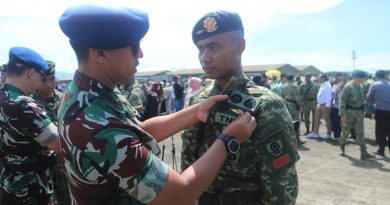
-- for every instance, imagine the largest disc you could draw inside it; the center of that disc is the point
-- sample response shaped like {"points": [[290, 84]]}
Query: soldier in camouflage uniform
{"points": [[290, 93], [49, 98], [137, 97], [308, 91], [352, 114], [28, 136], [263, 170], [110, 157]]}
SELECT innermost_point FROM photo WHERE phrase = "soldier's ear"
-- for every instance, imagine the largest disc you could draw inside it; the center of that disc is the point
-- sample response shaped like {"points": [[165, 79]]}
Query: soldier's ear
{"points": [[241, 45], [98, 55]]}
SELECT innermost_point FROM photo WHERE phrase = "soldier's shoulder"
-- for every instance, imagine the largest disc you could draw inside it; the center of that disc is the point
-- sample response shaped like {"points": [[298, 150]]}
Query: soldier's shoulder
{"points": [[262, 93], [201, 94]]}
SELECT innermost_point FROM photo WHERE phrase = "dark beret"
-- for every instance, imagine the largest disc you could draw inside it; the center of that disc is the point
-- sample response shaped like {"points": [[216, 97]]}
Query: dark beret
{"points": [[104, 27], [290, 76], [28, 58], [51, 68], [380, 74], [214, 23], [359, 74], [308, 74]]}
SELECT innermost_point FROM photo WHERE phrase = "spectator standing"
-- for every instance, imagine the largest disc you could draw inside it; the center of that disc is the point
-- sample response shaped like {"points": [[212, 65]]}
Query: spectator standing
{"points": [[179, 92], [379, 94], [334, 115], [324, 101]]}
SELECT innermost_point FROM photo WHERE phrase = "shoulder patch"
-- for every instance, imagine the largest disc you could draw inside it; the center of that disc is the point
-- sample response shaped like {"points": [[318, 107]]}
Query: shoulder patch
{"points": [[275, 147], [243, 101]]}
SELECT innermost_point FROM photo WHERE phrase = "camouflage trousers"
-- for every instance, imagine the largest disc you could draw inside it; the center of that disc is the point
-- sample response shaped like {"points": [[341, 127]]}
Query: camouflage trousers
{"points": [[309, 106], [294, 112], [354, 121], [61, 194]]}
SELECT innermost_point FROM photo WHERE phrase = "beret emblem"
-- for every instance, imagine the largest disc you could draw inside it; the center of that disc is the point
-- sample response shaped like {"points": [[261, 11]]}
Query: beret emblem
{"points": [[209, 25]]}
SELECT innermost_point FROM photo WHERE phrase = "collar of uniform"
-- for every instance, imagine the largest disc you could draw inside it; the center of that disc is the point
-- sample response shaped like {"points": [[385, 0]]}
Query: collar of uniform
{"points": [[97, 88], [234, 83], [14, 89]]}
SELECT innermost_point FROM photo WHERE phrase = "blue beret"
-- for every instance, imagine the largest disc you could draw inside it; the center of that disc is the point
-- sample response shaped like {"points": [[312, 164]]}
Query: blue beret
{"points": [[359, 74], [214, 23], [27, 57], [104, 27]]}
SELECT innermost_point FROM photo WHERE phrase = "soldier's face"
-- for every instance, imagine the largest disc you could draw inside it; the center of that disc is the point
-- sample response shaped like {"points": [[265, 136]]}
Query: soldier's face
{"points": [[47, 86], [220, 55], [125, 64]]}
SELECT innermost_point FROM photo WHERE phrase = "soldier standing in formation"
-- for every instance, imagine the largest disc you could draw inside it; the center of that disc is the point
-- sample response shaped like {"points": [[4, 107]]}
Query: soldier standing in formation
{"points": [[308, 91], [27, 135], [109, 156], [47, 96], [352, 114], [262, 170], [290, 93]]}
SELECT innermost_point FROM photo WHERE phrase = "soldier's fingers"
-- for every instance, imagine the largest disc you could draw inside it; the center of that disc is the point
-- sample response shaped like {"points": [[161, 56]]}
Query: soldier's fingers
{"points": [[217, 98]]}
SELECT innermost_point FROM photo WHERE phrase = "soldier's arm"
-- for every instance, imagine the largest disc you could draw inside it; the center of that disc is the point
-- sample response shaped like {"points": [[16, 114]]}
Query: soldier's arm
{"points": [[277, 155], [343, 100], [297, 96], [187, 187], [34, 122], [164, 126]]}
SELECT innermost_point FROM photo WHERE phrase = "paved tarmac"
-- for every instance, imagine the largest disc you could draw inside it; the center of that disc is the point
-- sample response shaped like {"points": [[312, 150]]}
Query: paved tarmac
{"points": [[326, 178]]}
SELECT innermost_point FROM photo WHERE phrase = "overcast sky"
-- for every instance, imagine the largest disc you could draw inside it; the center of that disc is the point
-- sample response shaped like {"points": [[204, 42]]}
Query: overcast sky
{"points": [[322, 33]]}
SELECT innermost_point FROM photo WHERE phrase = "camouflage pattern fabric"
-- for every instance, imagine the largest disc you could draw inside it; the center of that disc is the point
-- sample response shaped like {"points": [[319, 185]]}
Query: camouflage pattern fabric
{"points": [[352, 95], [61, 194], [308, 92], [26, 130], [50, 105], [265, 164], [108, 158], [290, 93], [137, 97]]}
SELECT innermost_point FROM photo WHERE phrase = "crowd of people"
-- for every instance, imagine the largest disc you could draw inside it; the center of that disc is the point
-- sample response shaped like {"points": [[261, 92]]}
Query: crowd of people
{"points": [[96, 142]]}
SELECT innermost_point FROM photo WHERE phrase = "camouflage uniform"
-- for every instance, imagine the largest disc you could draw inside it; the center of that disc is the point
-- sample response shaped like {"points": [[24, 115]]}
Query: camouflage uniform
{"points": [[61, 190], [137, 97], [263, 172], [108, 158], [308, 92], [26, 130], [351, 105]]}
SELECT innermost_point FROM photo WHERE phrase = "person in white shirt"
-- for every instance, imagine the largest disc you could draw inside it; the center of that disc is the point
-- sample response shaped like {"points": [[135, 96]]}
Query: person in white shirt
{"points": [[324, 100]]}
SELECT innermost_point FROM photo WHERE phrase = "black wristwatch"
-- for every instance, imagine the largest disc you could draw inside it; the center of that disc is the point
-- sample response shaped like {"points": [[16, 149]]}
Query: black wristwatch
{"points": [[232, 144]]}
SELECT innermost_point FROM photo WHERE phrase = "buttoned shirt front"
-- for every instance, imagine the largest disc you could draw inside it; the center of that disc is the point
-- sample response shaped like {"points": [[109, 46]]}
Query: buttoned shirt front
{"points": [[325, 94]]}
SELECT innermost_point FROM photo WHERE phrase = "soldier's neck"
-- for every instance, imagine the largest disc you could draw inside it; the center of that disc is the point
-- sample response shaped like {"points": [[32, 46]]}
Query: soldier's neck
{"points": [[223, 82]]}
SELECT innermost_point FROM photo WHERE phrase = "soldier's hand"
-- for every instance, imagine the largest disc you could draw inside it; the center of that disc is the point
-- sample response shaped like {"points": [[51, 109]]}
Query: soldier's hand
{"points": [[242, 127], [206, 105]]}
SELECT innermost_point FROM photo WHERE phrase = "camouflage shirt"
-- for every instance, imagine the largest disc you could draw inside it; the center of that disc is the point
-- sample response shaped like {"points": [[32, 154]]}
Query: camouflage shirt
{"points": [[309, 91], [137, 97], [266, 162], [352, 95], [25, 132], [108, 158], [51, 105], [290, 92]]}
